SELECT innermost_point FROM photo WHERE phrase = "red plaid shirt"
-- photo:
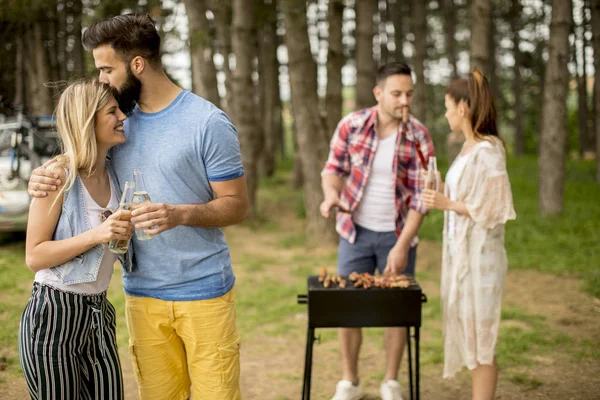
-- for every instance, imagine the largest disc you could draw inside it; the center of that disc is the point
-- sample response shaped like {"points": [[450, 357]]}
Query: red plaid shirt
{"points": [[352, 150]]}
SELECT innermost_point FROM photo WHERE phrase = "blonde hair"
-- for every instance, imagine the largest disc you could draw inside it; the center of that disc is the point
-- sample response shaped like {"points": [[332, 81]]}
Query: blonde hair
{"points": [[75, 122]]}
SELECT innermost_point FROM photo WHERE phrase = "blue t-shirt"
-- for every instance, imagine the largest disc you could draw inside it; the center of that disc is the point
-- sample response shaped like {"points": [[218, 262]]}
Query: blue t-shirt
{"points": [[180, 149]]}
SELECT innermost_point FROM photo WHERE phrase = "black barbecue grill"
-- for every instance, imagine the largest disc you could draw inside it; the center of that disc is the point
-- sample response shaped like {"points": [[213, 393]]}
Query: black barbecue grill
{"points": [[350, 307]]}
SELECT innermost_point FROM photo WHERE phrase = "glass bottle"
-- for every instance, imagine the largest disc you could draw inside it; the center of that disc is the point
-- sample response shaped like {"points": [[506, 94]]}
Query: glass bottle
{"points": [[431, 182], [121, 246], [140, 198]]}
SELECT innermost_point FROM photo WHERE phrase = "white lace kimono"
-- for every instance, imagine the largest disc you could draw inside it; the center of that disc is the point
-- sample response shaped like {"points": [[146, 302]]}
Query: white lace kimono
{"points": [[473, 277]]}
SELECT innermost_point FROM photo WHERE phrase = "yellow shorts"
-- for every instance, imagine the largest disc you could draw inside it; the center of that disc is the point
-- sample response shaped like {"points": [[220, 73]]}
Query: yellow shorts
{"points": [[176, 346]]}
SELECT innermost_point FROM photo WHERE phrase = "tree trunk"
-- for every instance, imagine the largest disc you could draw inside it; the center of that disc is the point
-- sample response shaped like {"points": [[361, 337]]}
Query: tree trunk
{"points": [[204, 73], [19, 72], [335, 63], [77, 52], [420, 31], [551, 160], [61, 41], [491, 69], [517, 82], [39, 70], [51, 37], [595, 22], [269, 94], [245, 109], [312, 136], [582, 95], [222, 12], [481, 17], [384, 10], [450, 29], [400, 15], [365, 63]]}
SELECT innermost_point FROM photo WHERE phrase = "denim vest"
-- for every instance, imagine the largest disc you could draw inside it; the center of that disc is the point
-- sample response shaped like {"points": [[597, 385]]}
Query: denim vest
{"points": [[74, 221]]}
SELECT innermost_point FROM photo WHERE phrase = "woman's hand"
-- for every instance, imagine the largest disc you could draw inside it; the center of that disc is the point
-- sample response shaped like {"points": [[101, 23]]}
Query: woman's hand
{"points": [[435, 200], [438, 177], [116, 227]]}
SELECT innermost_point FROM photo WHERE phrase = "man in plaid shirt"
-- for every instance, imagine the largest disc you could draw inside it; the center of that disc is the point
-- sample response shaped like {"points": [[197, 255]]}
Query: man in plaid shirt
{"points": [[380, 152]]}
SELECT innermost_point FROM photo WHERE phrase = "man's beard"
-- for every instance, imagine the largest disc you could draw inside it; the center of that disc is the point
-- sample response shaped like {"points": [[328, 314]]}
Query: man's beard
{"points": [[129, 93]]}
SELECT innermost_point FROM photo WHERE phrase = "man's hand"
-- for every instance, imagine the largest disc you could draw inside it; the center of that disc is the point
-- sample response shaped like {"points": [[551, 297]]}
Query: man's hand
{"points": [[397, 259], [328, 204], [159, 217], [43, 181]]}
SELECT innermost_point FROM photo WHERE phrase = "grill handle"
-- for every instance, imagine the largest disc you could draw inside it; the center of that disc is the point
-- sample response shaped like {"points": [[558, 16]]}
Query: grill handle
{"points": [[423, 298], [302, 299]]}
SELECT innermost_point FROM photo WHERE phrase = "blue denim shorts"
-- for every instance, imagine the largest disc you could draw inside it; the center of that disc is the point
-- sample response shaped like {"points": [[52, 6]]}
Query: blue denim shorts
{"points": [[369, 252]]}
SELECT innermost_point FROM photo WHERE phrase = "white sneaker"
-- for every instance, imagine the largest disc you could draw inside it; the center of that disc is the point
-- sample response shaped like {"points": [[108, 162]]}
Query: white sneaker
{"points": [[345, 390], [390, 390]]}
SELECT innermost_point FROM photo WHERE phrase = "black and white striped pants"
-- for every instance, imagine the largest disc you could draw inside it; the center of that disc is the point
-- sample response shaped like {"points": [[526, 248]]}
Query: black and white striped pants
{"points": [[68, 347]]}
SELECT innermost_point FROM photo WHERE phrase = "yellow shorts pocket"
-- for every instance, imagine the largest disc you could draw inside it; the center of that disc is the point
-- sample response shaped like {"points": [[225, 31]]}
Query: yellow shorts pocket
{"points": [[229, 359], [134, 362]]}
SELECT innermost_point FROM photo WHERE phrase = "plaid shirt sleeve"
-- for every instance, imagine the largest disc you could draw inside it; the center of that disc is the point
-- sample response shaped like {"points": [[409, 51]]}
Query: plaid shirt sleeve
{"points": [[338, 162], [416, 180]]}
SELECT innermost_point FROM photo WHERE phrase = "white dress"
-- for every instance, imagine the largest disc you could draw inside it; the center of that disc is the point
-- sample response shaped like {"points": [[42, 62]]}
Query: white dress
{"points": [[474, 269]]}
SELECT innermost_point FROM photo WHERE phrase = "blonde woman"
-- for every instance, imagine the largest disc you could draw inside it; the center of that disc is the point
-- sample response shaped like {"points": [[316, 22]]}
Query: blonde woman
{"points": [[477, 202], [67, 345]]}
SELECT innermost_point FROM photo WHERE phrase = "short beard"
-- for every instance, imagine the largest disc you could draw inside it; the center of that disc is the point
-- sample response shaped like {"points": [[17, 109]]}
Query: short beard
{"points": [[129, 93]]}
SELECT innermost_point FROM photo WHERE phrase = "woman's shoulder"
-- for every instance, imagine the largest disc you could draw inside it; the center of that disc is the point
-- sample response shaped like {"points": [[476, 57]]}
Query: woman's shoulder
{"points": [[490, 145]]}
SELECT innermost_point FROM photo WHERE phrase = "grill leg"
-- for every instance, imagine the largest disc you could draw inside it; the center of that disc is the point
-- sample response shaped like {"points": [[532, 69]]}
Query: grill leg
{"points": [[310, 339], [417, 360], [410, 374]]}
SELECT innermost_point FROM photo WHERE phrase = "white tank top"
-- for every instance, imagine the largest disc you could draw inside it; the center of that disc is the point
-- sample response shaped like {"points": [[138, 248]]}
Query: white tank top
{"points": [[377, 208], [105, 271], [452, 178]]}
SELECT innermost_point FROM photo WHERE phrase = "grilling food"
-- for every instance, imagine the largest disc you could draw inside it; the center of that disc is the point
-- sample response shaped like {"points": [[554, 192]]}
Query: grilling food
{"points": [[364, 280]]}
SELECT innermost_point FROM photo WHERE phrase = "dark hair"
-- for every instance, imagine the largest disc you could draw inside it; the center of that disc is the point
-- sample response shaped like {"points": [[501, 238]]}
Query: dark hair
{"points": [[476, 93], [131, 35], [392, 68]]}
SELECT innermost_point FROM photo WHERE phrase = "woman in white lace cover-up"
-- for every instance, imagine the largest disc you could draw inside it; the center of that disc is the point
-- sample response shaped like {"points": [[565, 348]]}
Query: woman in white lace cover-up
{"points": [[477, 202]]}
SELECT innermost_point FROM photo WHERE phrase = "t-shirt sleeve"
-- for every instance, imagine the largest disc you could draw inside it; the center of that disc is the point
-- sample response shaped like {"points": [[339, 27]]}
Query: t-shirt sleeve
{"points": [[220, 149]]}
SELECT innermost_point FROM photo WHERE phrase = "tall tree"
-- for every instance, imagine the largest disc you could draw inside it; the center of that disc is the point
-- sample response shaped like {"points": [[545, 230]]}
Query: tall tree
{"points": [[245, 108], [595, 22], [400, 16], [270, 100], [37, 69], [365, 63], [335, 63], [551, 161], [582, 94], [420, 31], [384, 11], [515, 13], [222, 12], [491, 69], [204, 73], [19, 72], [61, 40], [481, 15], [311, 130], [449, 12], [76, 11]]}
